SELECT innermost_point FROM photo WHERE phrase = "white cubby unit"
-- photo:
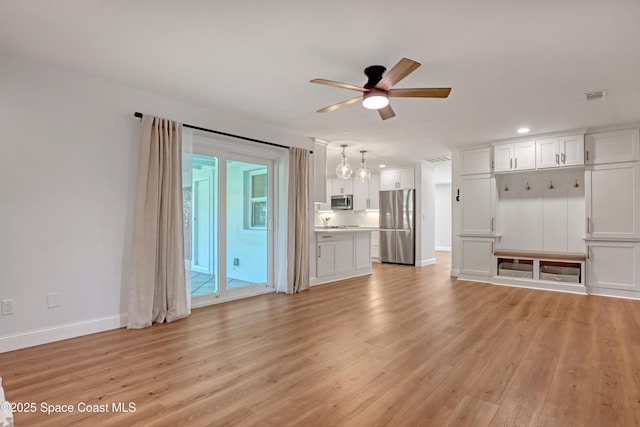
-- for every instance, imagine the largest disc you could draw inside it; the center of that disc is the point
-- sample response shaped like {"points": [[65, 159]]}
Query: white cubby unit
{"points": [[570, 221], [558, 271]]}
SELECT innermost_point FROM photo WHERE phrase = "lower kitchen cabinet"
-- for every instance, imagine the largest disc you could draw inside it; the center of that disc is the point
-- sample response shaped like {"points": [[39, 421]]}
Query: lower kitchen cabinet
{"points": [[613, 266], [477, 256], [342, 254], [375, 245]]}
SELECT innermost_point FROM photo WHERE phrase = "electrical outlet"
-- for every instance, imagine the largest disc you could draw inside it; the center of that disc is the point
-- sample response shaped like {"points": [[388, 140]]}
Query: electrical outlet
{"points": [[7, 307], [53, 300], [236, 261]]}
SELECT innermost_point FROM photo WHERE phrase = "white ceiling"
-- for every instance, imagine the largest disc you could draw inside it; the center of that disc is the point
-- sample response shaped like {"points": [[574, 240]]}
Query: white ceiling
{"points": [[510, 62]]}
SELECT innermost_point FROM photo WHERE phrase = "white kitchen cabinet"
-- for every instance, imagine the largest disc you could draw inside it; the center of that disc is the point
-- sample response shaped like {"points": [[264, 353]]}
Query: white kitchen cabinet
{"points": [[335, 253], [328, 189], [397, 179], [613, 265], [365, 194], [613, 200], [374, 192], [478, 204], [515, 156], [375, 245], [612, 147], [360, 195], [560, 151], [476, 256], [363, 250], [326, 259], [477, 160], [340, 187], [320, 171]]}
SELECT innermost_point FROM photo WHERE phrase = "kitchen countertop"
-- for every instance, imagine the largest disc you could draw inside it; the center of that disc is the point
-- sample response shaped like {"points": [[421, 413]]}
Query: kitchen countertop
{"points": [[344, 230]]}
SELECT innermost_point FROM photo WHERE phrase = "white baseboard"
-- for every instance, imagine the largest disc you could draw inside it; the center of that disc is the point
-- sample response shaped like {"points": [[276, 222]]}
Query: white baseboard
{"points": [[315, 281], [443, 248], [614, 293], [454, 272], [61, 332], [425, 262]]}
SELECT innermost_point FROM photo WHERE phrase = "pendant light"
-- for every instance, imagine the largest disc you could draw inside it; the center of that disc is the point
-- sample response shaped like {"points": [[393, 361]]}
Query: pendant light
{"points": [[344, 169], [363, 174]]}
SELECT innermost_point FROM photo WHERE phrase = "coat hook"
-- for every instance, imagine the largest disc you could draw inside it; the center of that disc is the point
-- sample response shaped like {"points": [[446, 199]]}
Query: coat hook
{"points": [[551, 185], [577, 185], [528, 186], [506, 188]]}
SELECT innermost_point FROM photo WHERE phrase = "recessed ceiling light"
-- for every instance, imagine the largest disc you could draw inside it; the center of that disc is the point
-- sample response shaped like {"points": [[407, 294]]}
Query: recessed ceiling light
{"points": [[382, 166], [523, 130]]}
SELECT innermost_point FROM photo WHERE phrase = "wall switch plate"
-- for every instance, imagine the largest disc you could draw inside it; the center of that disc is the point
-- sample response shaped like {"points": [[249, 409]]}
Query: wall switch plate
{"points": [[53, 300], [7, 307]]}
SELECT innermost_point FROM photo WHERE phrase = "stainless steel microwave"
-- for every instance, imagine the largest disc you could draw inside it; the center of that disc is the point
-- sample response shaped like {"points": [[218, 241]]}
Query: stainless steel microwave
{"points": [[342, 202]]}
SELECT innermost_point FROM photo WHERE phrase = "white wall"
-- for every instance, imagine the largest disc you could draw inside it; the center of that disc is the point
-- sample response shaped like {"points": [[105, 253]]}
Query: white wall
{"points": [[443, 217], [442, 194], [68, 153], [425, 239]]}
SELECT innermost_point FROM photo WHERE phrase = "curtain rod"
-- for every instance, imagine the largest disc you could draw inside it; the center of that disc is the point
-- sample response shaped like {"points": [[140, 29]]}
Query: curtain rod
{"points": [[140, 115]]}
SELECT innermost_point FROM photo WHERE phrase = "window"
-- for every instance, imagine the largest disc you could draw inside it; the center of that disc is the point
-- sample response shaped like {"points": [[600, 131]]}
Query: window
{"points": [[257, 199]]}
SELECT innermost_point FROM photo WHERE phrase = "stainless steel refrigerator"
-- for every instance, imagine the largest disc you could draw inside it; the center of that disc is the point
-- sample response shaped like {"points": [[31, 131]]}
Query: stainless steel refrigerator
{"points": [[397, 226]]}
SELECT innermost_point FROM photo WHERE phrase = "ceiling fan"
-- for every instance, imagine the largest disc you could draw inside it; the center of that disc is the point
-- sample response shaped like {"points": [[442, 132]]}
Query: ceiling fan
{"points": [[377, 91]]}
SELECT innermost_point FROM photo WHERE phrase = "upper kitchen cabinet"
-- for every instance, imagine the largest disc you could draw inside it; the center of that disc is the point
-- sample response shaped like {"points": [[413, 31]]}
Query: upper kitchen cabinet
{"points": [[397, 179], [612, 147], [340, 187], [560, 151], [477, 160], [365, 194], [320, 171], [613, 201], [478, 205], [515, 156]]}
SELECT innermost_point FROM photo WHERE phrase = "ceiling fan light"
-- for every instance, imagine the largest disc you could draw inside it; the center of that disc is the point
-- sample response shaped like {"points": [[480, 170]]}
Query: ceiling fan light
{"points": [[375, 99]]}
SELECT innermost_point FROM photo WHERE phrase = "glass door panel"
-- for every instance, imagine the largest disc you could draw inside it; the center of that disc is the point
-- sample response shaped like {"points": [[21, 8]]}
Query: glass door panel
{"points": [[247, 224], [203, 208]]}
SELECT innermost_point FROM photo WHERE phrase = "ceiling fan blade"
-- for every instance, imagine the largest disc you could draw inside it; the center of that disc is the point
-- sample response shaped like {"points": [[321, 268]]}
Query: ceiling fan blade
{"points": [[386, 112], [338, 84], [340, 104], [425, 92], [402, 69]]}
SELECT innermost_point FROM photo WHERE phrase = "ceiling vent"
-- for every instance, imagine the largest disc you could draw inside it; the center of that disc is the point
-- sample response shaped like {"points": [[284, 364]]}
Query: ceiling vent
{"points": [[595, 95], [439, 159]]}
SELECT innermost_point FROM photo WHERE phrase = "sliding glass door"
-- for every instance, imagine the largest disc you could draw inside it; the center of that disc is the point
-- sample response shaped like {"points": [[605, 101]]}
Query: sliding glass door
{"points": [[231, 238]]}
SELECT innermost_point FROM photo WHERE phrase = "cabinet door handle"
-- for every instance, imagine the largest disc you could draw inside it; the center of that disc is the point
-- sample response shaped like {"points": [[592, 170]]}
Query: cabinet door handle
{"points": [[319, 251], [588, 225], [587, 154], [510, 163], [368, 203], [492, 223], [491, 248], [557, 158], [563, 157]]}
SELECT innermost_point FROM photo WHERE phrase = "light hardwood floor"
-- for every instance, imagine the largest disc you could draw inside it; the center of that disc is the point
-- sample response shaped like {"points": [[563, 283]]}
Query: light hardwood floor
{"points": [[403, 347]]}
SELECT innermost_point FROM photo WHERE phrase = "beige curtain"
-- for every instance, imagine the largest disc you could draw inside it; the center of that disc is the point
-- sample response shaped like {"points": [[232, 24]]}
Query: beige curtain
{"points": [[158, 285], [298, 220]]}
